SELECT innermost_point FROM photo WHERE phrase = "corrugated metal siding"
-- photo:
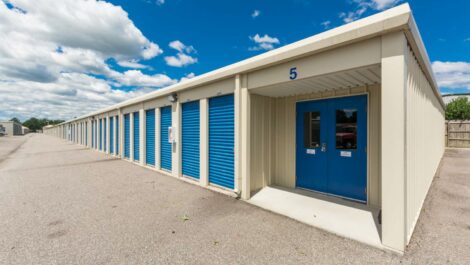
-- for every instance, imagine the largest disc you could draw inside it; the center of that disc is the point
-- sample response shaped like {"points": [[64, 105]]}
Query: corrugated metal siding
{"points": [[136, 136], [127, 125], [425, 130], [150, 136], [165, 146], [262, 121], [221, 141], [190, 139], [117, 135], [111, 134]]}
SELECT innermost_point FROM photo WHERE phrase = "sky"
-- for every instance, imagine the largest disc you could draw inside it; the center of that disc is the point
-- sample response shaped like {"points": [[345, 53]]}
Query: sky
{"points": [[62, 59]]}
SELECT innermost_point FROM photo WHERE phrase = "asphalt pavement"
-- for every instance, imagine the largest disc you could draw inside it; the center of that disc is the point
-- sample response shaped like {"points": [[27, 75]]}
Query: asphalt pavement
{"points": [[61, 203]]}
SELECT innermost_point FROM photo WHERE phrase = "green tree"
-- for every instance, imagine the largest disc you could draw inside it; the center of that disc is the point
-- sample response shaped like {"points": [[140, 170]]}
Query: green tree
{"points": [[15, 119], [35, 124], [458, 109]]}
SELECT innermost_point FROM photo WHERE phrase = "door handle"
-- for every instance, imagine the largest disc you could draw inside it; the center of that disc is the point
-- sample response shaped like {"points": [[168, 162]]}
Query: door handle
{"points": [[323, 147]]}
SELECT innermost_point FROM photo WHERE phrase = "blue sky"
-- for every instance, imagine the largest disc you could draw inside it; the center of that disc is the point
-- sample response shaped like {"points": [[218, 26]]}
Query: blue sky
{"points": [[79, 56], [220, 30]]}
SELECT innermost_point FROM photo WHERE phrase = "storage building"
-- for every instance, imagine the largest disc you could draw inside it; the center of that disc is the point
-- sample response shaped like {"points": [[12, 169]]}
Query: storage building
{"points": [[343, 130], [12, 128]]}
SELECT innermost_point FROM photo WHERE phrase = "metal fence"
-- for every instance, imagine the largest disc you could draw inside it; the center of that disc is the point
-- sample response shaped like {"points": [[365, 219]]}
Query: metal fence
{"points": [[458, 134]]}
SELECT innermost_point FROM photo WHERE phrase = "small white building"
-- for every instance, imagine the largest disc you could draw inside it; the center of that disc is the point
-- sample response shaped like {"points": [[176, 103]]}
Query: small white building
{"points": [[12, 128], [343, 130], [25, 130]]}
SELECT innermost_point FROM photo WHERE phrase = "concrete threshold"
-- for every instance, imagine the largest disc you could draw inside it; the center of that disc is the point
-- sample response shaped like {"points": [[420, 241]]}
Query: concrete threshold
{"points": [[338, 216]]}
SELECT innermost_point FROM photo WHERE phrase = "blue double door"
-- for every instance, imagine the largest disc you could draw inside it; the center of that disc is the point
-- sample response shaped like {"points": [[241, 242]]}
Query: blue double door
{"points": [[331, 146]]}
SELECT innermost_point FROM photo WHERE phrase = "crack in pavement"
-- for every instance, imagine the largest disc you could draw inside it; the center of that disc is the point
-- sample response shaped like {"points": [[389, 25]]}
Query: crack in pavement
{"points": [[7, 156]]}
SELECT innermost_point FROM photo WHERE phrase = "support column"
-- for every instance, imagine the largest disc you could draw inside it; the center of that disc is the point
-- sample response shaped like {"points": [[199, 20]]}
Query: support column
{"points": [[142, 139], [176, 147], [245, 138], [393, 144], [237, 147], [204, 142]]}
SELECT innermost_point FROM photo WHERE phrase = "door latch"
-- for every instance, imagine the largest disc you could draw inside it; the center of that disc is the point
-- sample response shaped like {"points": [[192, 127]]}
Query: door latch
{"points": [[323, 147]]}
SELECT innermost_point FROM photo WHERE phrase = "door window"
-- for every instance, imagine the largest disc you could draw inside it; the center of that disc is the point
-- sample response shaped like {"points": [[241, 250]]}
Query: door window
{"points": [[346, 129], [312, 129]]}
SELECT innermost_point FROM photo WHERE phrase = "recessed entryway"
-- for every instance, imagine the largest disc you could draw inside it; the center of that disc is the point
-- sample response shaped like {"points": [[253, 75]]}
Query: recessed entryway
{"points": [[331, 146]]}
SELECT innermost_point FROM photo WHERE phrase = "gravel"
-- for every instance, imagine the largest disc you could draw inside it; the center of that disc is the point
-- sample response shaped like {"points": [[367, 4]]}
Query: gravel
{"points": [[61, 203]]}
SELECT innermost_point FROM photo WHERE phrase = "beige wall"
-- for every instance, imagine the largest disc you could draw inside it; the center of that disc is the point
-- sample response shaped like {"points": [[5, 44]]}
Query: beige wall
{"points": [[273, 139], [425, 130], [262, 145]]}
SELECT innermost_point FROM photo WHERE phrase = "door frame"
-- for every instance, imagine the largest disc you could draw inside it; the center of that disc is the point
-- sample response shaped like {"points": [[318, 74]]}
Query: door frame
{"points": [[367, 141]]}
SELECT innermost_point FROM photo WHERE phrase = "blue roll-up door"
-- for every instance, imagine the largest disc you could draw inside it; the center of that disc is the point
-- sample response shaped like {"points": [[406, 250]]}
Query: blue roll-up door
{"points": [[96, 134], [136, 136], [190, 139], [104, 134], [117, 135], [221, 141], [165, 146], [92, 134], [111, 135], [127, 125], [100, 134], [150, 136]]}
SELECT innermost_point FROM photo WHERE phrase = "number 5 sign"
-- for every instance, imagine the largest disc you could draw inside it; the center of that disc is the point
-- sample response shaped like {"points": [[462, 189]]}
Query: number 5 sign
{"points": [[293, 73]]}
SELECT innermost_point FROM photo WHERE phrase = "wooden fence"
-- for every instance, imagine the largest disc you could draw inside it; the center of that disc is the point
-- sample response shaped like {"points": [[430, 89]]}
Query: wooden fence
{"points": [[458, 134]]}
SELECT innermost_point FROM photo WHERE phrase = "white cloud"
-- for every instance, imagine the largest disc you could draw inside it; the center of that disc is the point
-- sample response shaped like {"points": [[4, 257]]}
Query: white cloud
{"points": [[264, 39], [255, 13], [452, 74], [72, 95], [364, 5], [53, 61], [383, 4], [160, 2], [353, 15], [137, 78], [187, 77], [181, 47], [182, 58], [132, 64], [326, 24], [265, 42]]}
